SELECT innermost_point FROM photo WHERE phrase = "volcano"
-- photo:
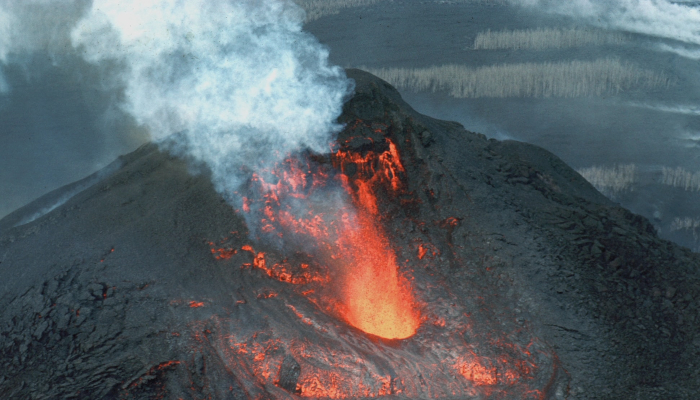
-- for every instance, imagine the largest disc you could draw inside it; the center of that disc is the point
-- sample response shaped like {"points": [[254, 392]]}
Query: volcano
{"points": [[455, 266]]}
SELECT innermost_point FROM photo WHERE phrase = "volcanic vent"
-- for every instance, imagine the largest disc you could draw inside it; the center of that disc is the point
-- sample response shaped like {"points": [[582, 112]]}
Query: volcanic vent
{"points": [[413, 259], [333, 217], [344, 232]]}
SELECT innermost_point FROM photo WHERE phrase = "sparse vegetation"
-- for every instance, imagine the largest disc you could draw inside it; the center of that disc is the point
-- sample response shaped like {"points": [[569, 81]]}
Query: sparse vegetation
{"points": [[611, 180], [563, 79], [316, 9], [547, 38], [686, 223], [681, 178]]}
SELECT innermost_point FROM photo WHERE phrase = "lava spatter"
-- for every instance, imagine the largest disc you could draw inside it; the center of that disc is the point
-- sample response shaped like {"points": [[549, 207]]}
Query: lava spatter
{"points": [[370, 292], [376, 298], [329, 209]]}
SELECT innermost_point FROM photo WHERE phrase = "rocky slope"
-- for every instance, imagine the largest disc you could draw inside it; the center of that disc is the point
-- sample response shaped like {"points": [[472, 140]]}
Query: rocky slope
{"points": [[531, 284]]}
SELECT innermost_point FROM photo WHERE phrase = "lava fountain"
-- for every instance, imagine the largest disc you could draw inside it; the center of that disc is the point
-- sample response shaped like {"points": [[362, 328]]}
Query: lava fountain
{"points": [[318, 223], [331, 211], [375, 297]]}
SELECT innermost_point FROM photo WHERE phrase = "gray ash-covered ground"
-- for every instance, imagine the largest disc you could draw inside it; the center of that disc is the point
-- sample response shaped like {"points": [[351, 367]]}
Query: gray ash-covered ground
{"points": [[531, 283]]}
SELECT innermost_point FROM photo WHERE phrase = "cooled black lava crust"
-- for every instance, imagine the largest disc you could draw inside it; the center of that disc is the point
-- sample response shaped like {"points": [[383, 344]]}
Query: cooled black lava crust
{"points": [[116, 293]]}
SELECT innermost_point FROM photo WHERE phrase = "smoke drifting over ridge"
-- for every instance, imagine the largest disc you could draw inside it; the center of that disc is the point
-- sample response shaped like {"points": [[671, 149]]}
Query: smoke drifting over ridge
{"points": [[662, 18], [238, 81], [33, 26]]}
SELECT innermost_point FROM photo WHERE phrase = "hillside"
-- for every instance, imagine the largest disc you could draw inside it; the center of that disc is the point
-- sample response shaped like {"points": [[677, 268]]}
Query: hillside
{"points": [[528, 283]]}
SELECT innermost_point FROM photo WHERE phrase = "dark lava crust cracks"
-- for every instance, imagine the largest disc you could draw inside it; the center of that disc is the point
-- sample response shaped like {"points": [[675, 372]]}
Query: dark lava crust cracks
{"points": [[116, 293]]}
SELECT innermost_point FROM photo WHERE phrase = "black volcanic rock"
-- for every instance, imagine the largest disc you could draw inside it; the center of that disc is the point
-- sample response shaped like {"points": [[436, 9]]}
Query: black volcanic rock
{"points": [[134, 287]]}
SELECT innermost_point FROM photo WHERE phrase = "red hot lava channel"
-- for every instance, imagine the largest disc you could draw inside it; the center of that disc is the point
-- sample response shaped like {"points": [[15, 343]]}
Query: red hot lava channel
{"points": [[328, 208], [372, 295]]}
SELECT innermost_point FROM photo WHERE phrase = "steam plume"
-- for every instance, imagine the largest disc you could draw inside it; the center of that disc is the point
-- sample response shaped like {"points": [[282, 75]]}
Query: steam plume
{"points": [[31, 26], [238, 80], [227, 83]]}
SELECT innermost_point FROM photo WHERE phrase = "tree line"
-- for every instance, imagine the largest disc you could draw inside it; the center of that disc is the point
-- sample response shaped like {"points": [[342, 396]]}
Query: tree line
{"points": [[545, 38], [548, 79], [316, 9], [610, 181], [681, 178]]}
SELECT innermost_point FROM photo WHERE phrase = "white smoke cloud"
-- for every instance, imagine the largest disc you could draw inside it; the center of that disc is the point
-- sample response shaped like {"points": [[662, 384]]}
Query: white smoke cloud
{"points": [[690, 139], [686, 109], [660, 18], [693, 54], [7, 25], [237, 81], [30, 26]]}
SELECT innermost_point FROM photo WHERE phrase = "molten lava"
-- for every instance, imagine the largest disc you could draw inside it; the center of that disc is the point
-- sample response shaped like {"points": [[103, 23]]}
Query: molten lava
{"points": [[324, 217], [375, 298], [336, 216]]}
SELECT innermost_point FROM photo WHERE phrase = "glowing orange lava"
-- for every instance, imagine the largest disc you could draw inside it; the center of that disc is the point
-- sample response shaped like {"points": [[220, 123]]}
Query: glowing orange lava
{"points": [[477, 373], [377, 299], [373, 296], [326, 215]]}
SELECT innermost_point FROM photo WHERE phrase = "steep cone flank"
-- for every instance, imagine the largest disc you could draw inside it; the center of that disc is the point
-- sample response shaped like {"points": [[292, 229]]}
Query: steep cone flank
{"points": [[496, 269], [365, 287]]}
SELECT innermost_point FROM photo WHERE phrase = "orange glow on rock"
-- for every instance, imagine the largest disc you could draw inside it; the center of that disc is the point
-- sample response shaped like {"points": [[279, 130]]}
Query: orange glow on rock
{"points": [[477, 373], [222, 253], [421, 252], [319, 232], [284, 272], [267, 294], [369, 294], [375, 298]]}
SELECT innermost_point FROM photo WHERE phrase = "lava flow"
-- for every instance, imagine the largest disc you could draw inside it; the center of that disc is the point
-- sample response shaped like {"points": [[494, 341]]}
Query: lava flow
{"points": [[334, 217], [375, 298], [322, 219]]}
